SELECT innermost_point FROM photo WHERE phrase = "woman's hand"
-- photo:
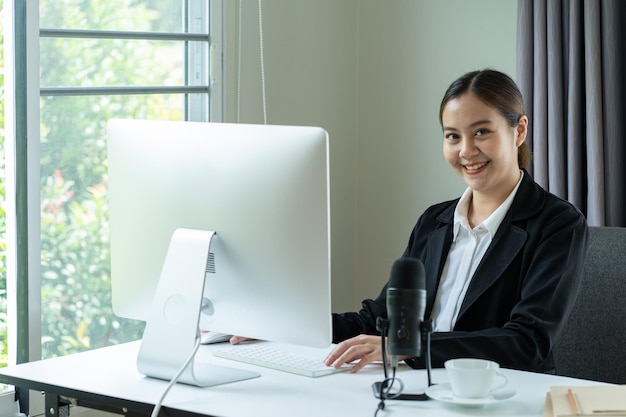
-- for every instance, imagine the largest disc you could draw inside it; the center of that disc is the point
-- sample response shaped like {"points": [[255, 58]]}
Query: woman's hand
{"points": [[364, 348], [235, 340]]}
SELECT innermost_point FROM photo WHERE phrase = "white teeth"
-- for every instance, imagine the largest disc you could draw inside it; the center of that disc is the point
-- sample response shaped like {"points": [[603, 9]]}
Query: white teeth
{"points": [[477, 166]]}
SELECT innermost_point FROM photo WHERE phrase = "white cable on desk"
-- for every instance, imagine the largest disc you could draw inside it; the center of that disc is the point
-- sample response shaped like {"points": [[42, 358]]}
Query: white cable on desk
{"points": [[157, 406]]}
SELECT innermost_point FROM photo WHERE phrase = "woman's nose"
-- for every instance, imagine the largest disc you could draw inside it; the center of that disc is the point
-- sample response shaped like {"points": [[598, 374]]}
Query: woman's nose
{"points": [[468, 148]]}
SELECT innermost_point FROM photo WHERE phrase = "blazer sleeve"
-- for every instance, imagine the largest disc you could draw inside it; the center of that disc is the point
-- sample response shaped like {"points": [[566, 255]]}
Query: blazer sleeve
{"points": [[350, 324]]}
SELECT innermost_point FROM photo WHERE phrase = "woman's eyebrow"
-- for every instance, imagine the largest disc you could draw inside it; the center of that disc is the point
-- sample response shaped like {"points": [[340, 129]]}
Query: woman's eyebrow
{"points": [[481, 122], [474, 124]]}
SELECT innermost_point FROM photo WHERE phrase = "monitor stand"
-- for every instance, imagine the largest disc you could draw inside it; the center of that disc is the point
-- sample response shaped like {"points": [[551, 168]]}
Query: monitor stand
{"points": [[173, 324]]}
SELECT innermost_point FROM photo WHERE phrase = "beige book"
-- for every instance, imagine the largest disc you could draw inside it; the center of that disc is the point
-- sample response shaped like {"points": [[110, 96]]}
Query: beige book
{"points": [[597, 400]]}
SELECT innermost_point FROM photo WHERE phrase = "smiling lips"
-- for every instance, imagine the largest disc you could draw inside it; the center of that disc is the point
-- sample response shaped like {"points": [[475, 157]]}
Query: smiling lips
{"points": [[475, 167]]}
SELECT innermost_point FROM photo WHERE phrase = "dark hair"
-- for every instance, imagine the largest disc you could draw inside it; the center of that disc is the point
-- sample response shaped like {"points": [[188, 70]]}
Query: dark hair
{"points": [[497, 90]]}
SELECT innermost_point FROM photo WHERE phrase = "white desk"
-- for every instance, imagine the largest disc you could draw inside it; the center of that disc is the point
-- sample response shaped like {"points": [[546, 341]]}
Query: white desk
{"points": [[109, 376]]}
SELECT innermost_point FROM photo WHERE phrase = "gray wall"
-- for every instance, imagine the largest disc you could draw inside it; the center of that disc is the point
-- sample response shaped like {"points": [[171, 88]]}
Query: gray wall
{"points": [[372, 73]]}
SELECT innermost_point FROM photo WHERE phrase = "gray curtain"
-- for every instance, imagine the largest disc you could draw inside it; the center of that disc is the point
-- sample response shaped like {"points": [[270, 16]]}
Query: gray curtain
{"points": [[570, 68]]}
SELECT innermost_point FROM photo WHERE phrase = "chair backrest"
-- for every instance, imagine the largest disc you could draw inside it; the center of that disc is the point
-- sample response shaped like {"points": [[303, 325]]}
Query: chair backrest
{"points": [[593, 342]]}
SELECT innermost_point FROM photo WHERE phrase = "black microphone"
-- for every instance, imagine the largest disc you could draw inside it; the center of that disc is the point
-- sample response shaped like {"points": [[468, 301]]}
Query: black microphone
{"points": [[406, 304]]}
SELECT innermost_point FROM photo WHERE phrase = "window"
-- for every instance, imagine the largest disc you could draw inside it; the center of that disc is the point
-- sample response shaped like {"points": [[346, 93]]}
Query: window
{"points": [[97, 59]]}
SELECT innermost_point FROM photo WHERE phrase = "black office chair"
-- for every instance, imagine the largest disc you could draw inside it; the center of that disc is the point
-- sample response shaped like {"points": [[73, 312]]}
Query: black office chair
{"points": [[593, 342]]}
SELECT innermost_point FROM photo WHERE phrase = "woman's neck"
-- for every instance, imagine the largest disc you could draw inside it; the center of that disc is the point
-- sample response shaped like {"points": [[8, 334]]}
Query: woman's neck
{"points": [[482, 205]]}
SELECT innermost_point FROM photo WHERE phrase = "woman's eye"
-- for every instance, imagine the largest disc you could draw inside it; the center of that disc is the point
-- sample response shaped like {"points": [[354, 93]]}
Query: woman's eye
{"points": [[481, 132], [452, 136]]}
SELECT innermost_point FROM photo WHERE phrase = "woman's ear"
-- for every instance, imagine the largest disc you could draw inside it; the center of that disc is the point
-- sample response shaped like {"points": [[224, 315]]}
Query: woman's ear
{"points": [[522, 130]]}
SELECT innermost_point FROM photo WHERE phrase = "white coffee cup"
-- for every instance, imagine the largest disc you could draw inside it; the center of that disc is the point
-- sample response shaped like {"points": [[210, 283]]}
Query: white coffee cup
{"points": [[473, 378]]}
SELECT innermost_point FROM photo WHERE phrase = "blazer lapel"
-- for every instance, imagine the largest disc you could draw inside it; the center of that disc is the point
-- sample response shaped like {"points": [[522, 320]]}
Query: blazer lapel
{"points": [[508, 241], [502, 250], [437, 250]]}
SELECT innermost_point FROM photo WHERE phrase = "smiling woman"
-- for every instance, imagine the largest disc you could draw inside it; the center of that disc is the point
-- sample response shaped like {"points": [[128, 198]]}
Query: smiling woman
{"points": [[503, 261], [508, 102], [482, 137]]}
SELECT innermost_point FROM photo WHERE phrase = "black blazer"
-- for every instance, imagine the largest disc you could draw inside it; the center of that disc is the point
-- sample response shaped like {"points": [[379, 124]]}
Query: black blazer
{"points": [[520, 295]]}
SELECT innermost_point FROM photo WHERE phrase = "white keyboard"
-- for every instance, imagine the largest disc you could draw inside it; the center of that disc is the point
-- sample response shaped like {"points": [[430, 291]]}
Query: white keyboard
{"points": [[270, 357]]}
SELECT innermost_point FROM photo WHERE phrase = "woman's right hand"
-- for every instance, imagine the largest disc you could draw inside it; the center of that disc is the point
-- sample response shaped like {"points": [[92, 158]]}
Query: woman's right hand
{"points": [[364, 348]]}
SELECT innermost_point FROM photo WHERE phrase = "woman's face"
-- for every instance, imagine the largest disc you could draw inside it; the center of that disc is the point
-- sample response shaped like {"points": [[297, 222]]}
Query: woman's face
{"points": [[480, 145]]}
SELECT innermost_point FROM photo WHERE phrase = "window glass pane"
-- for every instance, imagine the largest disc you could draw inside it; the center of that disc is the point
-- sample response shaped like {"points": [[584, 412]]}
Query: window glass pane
{"points": [[128, 15], [76, 305], [110, 62]]}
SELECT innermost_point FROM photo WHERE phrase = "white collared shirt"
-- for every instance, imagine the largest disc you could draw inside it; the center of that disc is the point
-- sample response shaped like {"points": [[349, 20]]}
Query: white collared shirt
{"points": [[467, 250]]}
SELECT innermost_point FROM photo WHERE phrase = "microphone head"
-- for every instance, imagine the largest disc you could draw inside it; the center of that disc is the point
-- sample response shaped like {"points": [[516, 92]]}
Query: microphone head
{"points": [[406, 304], [407, 273]]}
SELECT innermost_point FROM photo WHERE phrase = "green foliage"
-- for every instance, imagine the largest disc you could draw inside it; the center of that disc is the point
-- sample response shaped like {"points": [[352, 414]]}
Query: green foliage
{"points": [[72, 128], [76, 282], [76, 278]]}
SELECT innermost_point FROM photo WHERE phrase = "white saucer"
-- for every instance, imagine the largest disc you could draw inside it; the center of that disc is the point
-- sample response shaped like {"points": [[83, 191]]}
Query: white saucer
{"points": [[443, 392]]}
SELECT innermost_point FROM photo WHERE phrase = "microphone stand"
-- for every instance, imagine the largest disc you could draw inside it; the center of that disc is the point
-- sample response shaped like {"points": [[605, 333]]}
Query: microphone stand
{"points": [[426, 328]]}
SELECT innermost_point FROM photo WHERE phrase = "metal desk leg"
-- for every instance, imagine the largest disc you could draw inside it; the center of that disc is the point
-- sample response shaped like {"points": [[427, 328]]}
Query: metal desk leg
{"points": [[55, 406]]}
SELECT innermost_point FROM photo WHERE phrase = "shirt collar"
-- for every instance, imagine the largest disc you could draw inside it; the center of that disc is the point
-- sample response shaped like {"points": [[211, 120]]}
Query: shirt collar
{"points": [[491, 223]]}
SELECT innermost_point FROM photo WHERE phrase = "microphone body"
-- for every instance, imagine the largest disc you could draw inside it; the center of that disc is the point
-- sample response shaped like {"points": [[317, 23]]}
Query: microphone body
{"points": [[406, 304]]}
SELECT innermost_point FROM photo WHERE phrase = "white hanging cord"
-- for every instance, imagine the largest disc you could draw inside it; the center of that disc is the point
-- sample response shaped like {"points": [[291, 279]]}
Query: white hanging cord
{"points": [[262, 61], [239, 63]]}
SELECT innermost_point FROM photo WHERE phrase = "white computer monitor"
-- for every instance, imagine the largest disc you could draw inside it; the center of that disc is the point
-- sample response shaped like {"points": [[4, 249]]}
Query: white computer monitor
{"points": [[264, 192]]}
